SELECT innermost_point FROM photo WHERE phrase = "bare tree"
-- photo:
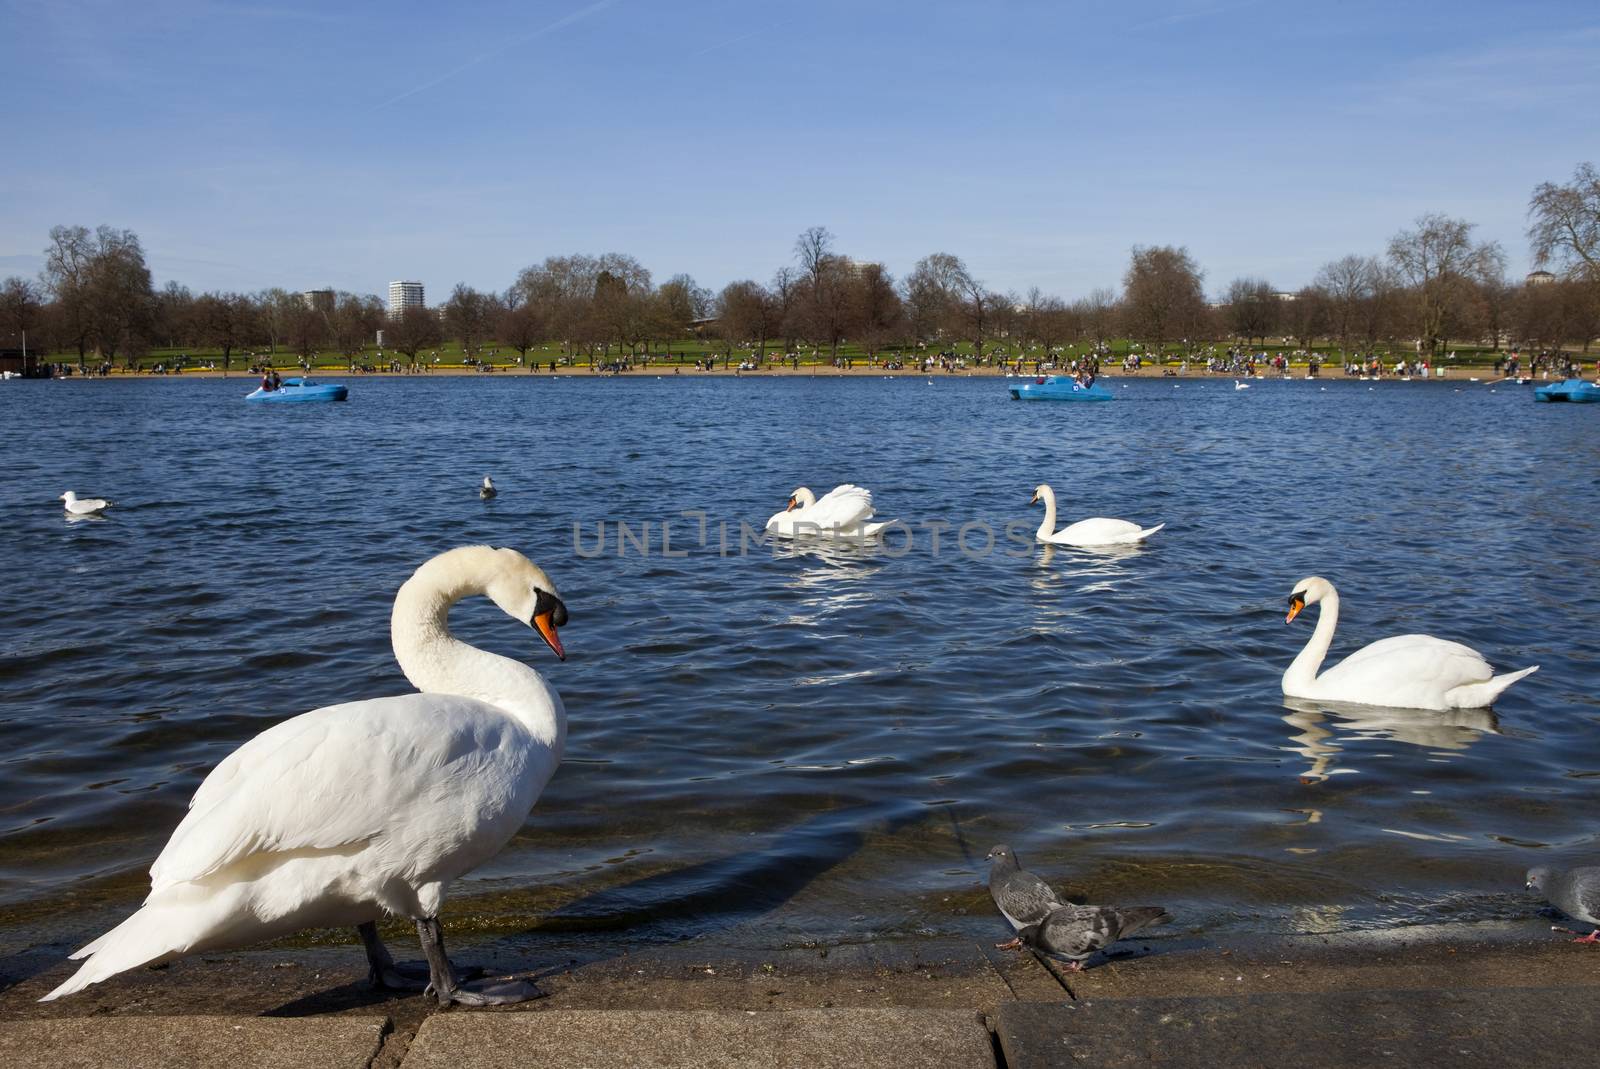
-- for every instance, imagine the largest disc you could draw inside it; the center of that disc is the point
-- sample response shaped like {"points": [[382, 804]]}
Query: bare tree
{"points": [[677, 304], [66, 275], [1163, 297], [354, 321], [469, 316], [877, 313], [1251, 309], [413, 330], [21, 311], [1097, 316], [1438, 261], [1564, 226], [1349, 285], [814, 249], [747, 314], [224, 320]]}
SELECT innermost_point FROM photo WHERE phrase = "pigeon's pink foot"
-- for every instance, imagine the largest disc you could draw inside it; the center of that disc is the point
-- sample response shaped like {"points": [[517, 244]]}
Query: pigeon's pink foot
{"points": [[1074, 966], [1592, 937], [1015, 944]]}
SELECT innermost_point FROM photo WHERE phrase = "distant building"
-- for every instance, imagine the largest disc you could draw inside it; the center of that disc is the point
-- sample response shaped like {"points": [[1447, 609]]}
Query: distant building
{"points": [[1539, 278], [318, 300], [403, 295], [1284, 296]]}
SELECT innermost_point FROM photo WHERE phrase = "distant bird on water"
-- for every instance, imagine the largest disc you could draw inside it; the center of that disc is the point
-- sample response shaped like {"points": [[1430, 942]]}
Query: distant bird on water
{"points": [[1022, 897], [487, 490], [1076, 932], [83, 506], [1575, 892]]}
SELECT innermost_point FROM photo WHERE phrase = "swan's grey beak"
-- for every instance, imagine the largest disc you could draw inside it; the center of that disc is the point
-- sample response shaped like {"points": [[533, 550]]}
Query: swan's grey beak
{"points": [[791, 505], [545, 624], [1296, 603]]}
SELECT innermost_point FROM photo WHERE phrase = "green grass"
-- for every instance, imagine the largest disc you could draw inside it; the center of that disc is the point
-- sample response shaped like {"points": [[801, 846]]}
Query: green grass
{"points": [[686, 352]]}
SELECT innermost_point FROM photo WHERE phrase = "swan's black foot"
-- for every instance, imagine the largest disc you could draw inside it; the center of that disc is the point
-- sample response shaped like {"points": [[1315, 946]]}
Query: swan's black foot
{"points": [[504, 991], [413, 976]]}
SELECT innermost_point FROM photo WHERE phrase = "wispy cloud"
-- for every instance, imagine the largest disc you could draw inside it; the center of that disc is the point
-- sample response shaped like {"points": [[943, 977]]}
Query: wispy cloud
{"points": [[533, 35]]}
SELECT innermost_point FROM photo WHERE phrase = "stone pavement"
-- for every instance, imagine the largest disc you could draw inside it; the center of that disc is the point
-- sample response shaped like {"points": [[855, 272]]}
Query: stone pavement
{"points": [[950, 1003]]}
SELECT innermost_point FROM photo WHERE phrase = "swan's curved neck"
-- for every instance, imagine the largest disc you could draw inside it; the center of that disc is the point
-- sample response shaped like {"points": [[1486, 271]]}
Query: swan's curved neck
{"points": [[1048, 527], [1303, 670], [436, 662]]}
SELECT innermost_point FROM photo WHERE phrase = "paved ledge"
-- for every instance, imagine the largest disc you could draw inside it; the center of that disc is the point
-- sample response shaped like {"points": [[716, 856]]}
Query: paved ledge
{"points": [[795, 1039], [187, 1042], [1521, 1027]]}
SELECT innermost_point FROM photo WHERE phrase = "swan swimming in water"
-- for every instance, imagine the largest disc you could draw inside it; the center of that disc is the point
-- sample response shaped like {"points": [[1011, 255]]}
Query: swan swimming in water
{"points": [[843, 512], [1404, 672], [83, 506], [1097, 531], [352, 812], [487, 490]]}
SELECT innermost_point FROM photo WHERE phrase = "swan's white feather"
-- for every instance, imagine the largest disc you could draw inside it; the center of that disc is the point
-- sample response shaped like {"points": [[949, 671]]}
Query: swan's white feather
{"points": [[372, 774], [1404, 671], [340, 815], [843, 510]]}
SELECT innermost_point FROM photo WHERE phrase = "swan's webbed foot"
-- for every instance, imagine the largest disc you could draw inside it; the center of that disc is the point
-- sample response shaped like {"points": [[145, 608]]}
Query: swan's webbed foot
{"points": [[445, 982], [505, 991], [385, 974]]}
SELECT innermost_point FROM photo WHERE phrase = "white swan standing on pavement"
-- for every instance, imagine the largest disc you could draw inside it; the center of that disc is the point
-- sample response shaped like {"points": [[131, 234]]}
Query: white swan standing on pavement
{"points": [[843, 512], [1404, 672], [1097, 531], [83, 506], [352, 812]]}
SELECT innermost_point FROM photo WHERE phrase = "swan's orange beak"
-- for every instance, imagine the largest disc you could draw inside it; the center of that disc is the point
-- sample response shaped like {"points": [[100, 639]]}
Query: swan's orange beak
{"points": [[1034, 500], [791, 505], [1296, 603], [547, 630]]}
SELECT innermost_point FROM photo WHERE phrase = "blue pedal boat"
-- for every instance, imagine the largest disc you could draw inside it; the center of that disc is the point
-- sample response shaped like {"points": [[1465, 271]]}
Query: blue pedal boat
{"points": [[301, 390], [1568, 390], [1059, 388]]}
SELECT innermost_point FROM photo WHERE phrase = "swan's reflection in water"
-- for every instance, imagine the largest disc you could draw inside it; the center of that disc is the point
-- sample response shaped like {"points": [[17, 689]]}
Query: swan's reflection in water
{"points": [[837, 578], [1093, 571], [1323, 726]]}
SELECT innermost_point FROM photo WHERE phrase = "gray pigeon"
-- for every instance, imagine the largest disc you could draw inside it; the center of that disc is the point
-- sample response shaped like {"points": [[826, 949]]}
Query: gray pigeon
{"points": [[1022, 897], [1575, 892], [1076, 932], [487, 490]]}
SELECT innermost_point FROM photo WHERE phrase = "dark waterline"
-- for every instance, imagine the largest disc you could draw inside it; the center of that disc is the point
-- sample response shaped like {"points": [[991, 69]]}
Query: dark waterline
{"points": [[823, 745]]}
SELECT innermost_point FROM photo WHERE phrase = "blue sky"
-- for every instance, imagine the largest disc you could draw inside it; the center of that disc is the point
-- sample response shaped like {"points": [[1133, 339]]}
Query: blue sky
{"points": [[305, 144]]}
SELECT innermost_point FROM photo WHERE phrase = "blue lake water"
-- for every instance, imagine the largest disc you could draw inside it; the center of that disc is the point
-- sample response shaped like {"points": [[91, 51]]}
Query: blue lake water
{"points": [[809, 744]]}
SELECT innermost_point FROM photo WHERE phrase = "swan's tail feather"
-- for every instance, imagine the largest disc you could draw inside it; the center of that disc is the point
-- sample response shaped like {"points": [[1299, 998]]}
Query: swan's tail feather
{"points": [[1148, 531], [1482, 695], [145, 938]]}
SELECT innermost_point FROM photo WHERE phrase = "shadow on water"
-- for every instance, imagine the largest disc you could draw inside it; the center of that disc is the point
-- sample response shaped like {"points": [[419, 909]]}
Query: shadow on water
{"points": [[727, 891], [1325, 729]]}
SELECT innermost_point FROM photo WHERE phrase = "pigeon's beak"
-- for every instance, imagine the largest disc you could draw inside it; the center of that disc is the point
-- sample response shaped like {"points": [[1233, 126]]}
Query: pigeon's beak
{"points": [[1296, 603], [791, 505]]}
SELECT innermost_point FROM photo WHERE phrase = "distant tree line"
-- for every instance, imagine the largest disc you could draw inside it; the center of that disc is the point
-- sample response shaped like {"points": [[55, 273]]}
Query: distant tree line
{"points": [[1433, 283]]}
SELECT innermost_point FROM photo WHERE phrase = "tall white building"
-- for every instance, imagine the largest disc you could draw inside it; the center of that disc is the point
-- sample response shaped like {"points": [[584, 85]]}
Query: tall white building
{"points": [[403, 295]]}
